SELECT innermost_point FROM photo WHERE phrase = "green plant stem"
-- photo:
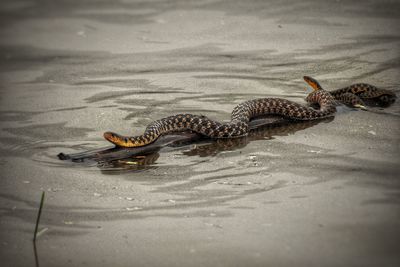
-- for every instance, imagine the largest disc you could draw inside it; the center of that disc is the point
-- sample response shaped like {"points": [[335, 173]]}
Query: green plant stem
{"points": [[38, 216]]}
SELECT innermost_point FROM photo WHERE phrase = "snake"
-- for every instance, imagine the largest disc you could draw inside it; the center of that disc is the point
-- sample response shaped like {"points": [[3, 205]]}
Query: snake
{"points": [[241, 115], [357, 94]]}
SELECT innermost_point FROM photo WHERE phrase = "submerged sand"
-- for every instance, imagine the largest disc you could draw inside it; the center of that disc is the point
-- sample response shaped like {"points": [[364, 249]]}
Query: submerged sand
{"points": [[326, 194]]}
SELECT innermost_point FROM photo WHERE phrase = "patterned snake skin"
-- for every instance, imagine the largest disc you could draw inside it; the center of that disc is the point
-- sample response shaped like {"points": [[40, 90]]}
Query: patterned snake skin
{"points": [[267, 131], [355, 95], [240, 117]]}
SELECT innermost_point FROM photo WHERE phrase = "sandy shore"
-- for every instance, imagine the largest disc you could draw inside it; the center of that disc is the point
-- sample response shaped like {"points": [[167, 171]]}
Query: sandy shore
{"points": [[326, 194]]}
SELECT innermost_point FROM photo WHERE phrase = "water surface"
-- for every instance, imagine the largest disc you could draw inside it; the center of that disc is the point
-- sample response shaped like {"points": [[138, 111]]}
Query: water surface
{"points": [[319, 194]]}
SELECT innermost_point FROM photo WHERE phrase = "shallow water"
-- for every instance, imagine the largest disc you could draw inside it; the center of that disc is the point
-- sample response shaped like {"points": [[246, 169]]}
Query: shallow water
{"points": [[312, 195]]}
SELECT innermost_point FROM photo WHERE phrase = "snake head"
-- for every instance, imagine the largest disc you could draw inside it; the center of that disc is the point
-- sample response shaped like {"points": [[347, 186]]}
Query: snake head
{"points": [[313, 83], [113, 138]]}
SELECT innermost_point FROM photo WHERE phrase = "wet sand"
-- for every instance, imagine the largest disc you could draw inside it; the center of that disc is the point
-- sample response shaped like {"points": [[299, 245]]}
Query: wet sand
{"points": [[324, 194]]}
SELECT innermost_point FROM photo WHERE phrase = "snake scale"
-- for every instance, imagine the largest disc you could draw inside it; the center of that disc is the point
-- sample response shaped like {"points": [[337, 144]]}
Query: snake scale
{"points": [[240, 117]]}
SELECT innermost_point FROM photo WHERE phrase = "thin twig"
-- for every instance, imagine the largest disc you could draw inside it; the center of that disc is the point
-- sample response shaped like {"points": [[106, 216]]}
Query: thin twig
{"points": [[36, 254], [38, 217]]}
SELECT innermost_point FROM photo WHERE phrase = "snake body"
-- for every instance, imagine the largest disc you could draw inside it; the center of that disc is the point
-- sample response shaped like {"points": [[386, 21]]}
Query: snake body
{"points": [[240, 117], [355, 95]]}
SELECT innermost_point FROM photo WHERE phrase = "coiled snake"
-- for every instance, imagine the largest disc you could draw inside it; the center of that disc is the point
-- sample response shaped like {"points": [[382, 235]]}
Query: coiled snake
{"points": [[357, 94], [240, 117]]}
